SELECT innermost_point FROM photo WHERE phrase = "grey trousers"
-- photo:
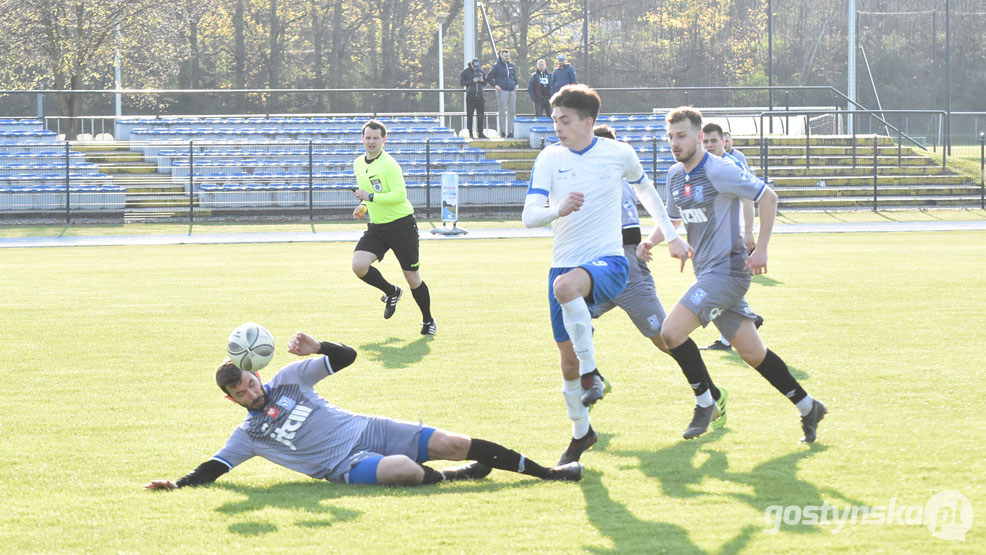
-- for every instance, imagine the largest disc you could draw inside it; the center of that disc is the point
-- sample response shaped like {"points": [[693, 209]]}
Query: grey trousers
{"points": [[506, 111]]}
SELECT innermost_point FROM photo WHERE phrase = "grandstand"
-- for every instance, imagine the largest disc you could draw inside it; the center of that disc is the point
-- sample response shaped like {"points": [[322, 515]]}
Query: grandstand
{"points": [[198, 166], [39, 174]]}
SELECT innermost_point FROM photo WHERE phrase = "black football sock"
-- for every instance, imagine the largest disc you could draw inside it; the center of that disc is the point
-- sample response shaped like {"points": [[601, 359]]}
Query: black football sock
{"points": [[432, 476], [376, 279], [423, 298], [775, 371], [495, 455], [690, 360]]}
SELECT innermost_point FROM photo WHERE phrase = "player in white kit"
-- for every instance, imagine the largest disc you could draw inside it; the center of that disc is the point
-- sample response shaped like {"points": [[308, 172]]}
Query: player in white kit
{"points": [[577, 186]]}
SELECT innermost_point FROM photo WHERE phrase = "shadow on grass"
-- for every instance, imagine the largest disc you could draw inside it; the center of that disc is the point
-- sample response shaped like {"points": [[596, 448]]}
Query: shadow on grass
{"points": [[629, 533], [773, 483], [762, 279], [308, 499], [397, 353]]}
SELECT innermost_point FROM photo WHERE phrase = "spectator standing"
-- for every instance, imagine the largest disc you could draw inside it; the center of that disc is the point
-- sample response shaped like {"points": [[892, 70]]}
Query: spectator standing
{"points": [[503, 77], [473, 78], [563, 75], [539, 88]]}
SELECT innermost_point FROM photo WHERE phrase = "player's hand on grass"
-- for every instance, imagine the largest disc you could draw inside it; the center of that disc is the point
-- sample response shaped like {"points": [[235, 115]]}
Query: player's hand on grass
{"points": [[161, 484], [303, 345], [757, 264], [681, 250], [572, 203]]}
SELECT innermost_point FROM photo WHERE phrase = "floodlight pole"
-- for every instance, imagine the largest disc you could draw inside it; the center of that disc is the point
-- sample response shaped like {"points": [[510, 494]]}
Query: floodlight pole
{"points": [[851, 65], [770, 62], [585, 39], [442, 18], [948, 79], [468, 38], [116, 74]]}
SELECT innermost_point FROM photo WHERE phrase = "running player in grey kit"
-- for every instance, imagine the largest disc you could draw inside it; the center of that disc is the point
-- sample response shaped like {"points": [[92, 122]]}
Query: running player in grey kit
{"points": [[289, 424], [704, 192]]}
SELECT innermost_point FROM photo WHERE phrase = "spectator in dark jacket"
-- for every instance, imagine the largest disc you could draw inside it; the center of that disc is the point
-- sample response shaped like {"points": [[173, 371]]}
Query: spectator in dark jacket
{"points": [[503, 77], [563, 75], [473, 78], [539, 88]]}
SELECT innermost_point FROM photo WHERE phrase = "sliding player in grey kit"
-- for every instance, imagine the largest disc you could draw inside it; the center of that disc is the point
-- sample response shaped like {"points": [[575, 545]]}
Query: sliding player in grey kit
{"points": [[291, 425]]}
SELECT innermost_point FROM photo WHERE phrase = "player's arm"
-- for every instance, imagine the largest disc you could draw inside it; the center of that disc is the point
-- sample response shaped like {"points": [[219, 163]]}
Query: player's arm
{"points": [[748, 211], [537, 212], [648, 196], [757, 264], [205, 473], [340, 356]]}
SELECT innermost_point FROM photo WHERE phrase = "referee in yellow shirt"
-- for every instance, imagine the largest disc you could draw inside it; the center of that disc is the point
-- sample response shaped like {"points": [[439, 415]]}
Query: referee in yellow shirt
{"points": [[392, 225]]}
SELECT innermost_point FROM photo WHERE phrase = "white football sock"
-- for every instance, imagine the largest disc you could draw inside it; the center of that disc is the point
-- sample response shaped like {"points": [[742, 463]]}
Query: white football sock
{"points": [[578, 323], [804, 405], [705, 399], [578, 413]]}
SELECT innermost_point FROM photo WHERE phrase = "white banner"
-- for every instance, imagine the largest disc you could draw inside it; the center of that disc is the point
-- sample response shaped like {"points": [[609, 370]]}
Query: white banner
{"points": [[450, 197]]}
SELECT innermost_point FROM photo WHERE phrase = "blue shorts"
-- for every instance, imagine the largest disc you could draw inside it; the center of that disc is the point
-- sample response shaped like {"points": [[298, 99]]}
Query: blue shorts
{"points": [[365, 471], [609, 276]]}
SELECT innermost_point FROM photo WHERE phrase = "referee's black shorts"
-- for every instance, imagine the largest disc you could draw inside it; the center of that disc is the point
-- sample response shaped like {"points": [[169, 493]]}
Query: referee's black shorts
{"points": [[400, 235]]}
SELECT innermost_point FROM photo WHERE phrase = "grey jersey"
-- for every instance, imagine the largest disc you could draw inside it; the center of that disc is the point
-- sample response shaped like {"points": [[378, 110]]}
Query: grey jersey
{"points": [[739, 157], [297, 429], [707, 200]]}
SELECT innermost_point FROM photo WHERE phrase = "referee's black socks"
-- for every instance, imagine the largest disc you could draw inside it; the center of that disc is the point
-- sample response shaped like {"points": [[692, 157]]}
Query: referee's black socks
{"points": [[376, 279], [423, 298], [693, 367], [495, 455]]}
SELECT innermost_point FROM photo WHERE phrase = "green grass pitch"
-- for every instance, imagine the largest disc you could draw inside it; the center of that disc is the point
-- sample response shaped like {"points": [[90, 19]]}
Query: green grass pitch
{"points": [[109, 354]]}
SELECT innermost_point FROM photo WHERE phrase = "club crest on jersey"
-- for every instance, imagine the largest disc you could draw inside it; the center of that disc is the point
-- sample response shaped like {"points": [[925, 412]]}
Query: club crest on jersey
{"points": [[286, 403], [272, 412], [377, 186], [688, 189], [699, 193]]}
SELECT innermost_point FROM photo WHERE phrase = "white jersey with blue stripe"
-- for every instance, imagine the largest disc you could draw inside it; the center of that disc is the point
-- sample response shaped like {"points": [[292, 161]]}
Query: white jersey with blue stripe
{"points": [[598, 171], [297, 429], [707, 200]]}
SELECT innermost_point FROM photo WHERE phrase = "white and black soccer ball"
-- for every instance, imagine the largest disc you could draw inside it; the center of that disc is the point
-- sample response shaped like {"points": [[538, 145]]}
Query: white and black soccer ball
{"points": [[250, 347]]}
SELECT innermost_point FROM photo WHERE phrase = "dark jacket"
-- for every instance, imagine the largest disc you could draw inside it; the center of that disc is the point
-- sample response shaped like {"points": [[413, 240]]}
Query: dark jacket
{"points": [[503, 75], [466, 80], [563, 75], [539, 87]]}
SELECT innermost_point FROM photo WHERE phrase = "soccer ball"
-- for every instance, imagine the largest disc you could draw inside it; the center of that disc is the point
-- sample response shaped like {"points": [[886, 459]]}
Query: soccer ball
{"points": [[250, 347]]}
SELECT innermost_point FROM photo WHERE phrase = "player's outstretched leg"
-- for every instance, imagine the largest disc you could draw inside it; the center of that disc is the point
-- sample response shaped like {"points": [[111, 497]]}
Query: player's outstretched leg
{"points": [[751, 348], [455, 447]]}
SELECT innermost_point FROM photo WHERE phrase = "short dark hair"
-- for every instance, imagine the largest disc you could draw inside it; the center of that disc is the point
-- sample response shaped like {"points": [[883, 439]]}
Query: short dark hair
{"points": [[712, 128], [604, 131], [228, 375], [507, 50], [580, 98], [685, 112], [374, 124]]}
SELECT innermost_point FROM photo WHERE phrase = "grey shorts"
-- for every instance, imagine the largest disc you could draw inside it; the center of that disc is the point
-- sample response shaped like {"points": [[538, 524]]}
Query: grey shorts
{"points": [[718, 298], [639, 299], [382, 436]]}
